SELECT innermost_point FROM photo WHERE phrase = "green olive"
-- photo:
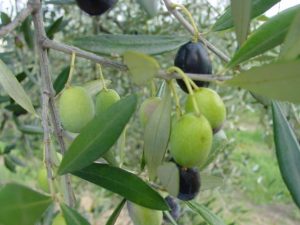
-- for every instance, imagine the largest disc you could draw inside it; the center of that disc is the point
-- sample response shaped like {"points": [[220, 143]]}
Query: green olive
{"points": [[76, 109], [105, 99], [191, 140], [43, 180], [144, 216], [59, 220], [147, 108], [210, 105]]}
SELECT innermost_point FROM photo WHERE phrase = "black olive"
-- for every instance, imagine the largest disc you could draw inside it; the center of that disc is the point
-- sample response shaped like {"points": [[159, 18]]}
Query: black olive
{"points": [[95, 7], [175, 208], [189, 184], [193, 58]]}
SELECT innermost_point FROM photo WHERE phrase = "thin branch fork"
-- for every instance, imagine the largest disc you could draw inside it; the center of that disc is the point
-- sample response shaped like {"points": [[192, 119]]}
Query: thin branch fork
{"points": [[68, 49], [48, 102], [19, 19], [189, 27]]}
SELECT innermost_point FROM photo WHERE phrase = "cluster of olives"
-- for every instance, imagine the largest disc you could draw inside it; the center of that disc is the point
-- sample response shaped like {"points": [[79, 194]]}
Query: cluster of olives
{"points": [[95, 7], [192, 133], [76, 106]]}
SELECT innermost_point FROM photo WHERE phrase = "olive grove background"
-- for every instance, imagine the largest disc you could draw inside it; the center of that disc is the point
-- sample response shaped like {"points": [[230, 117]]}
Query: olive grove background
{"points": [[252, 191]]}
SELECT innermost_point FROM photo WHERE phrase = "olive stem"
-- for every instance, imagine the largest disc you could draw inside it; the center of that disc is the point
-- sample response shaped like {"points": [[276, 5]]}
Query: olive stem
{"points": [[48, 100], [188, 85], [72, 68], [178, 109], [153, 88], [189, 28], [99, 68], [189, 15]]}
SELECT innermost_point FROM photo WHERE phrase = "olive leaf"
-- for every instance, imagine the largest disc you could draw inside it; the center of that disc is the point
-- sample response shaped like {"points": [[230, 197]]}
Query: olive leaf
{"points": [[291, 46], [205, 213], [257, 8], [114, 216], [168, 174], [112, 44], [267, 80], [72, 217], [124, 183], [261, 41], [151, 7], [14, 89], [157, 134], [287, 152], [98, 136], [142, 68], [21, 205], [241, 11]]}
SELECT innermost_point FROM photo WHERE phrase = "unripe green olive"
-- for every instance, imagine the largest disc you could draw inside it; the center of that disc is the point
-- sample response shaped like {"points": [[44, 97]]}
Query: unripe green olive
{"points": [[144, 216], [76, 108], [105, 99], [210, 105], [147, 109], [191, 140], [43, 180], [59, 220]]}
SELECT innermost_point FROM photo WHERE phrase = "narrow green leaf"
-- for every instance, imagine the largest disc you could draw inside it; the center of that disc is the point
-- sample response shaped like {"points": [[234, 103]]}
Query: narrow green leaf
{"points": [[279, 81], [21, 205], [72, 217], [266, 37], [114, 216], [60, 2], [258, 7], [31, 129], [55, 27], [157, 134], [168, 174], [291, 46], [95, 86], [241, 12], [151, 7], [5, 19], [107, 44], [28, 32], [9, 163], [207, 215], [14, 89], [98, 136], [61, 80], [123, 183], [210, 182], [142, 68], [287, 151]]}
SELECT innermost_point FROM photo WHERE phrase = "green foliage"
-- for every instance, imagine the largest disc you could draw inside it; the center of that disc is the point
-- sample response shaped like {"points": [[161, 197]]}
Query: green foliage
{"points": [[114, 216], [287, 151], [98, 136], [21, 205], [72, 217], [258, 7], [267, 80], [261, 41], [123, 183], [107, 44], [13, 88]]}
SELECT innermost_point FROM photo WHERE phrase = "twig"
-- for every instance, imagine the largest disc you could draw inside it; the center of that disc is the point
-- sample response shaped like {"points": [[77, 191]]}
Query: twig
{"points": [[189, 27], [18, 20], [47, 87], [47, 43]]}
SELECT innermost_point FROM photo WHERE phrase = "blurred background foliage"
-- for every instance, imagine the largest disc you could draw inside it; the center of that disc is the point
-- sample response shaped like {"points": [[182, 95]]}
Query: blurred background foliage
{"points": [[253, 191]]}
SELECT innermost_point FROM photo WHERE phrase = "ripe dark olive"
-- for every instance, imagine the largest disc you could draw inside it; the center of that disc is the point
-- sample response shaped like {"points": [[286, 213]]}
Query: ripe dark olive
{"points": [[193, 58], [189, 184], [175, 208], [95, 7]]}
